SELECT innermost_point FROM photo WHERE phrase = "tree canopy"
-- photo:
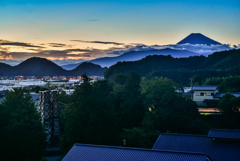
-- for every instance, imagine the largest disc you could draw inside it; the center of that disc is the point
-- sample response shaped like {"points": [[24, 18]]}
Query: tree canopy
{"points": [[89, 117], [21, 132]]}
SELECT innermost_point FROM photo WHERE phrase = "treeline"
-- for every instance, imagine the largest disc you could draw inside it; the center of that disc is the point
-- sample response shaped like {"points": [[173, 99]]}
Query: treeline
{"points": [[225, 84], [129, 111], [218, 64], [132, 111]]}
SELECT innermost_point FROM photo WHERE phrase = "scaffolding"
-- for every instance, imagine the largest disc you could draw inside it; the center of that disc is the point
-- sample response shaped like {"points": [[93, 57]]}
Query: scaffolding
{"points": [[50, 113]]}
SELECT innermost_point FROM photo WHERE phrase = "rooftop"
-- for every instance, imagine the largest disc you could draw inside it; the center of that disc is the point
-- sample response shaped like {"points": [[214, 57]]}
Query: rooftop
{"points": [[108, 153], [224, 133], [217, 150], [205, 88]]}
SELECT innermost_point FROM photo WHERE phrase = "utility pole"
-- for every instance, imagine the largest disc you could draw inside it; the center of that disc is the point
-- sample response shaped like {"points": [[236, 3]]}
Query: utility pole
{"points": [[191, 79], [1, 77]]}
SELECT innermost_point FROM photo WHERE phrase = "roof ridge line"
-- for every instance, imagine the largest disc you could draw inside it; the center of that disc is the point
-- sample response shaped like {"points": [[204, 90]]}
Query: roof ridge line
{"points": [[139, 149], [183, 134]]}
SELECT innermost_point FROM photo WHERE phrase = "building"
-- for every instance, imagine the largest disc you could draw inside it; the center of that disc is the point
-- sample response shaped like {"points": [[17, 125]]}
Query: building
{"points": [[50, 113], [219, 144], [83, 152], [204, 95]]}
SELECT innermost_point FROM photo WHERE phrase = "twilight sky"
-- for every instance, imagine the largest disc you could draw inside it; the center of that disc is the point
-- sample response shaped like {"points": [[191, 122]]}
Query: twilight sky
{"points": [[87, 29]]}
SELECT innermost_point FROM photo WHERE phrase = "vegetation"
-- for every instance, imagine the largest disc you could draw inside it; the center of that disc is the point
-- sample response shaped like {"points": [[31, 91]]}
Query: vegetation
{"points": [[128, 111], [230, 108], [132, 113], [218, 64], [22, 135], [89, 117], [226, 84]]}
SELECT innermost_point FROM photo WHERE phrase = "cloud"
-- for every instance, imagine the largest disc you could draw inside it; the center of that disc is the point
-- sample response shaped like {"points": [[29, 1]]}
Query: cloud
{"points": [[99, 42], [55, 54], [201, 48], [75, 55], [21, 44], [58, 45]]}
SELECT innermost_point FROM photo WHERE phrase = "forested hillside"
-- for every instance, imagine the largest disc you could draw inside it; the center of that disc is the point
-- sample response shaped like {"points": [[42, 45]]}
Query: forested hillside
{"points": [[218, 64]]}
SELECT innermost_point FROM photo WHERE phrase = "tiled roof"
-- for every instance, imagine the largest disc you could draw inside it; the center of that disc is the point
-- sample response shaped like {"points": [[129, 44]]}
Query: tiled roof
{"points": [[217, 150], [205, 88], [82, 152], [222, 133]]}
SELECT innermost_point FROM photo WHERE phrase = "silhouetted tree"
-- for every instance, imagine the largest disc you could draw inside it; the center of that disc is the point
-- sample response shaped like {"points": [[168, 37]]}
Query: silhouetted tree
{"points": [[89, 117], [230, 108], [22, 135]]}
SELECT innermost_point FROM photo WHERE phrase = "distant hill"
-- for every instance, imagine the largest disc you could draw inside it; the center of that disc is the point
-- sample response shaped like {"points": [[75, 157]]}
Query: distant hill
{"points": [[135, 55], [89, 68], [42, 67], [218, 64], [38, 66], [70, 66], [5, 68], [198, 38]]}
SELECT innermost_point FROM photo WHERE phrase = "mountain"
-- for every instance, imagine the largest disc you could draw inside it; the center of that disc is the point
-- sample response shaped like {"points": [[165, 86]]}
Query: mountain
{"points": [[5, 68], [175, 51], [89, 68], [38, 66], [70, 66], [136, 55], [42, 67], [218, 64], [198, 38]]}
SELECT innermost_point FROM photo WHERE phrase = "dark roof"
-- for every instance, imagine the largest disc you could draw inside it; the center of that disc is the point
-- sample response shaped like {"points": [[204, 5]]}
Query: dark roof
{"points": [[82, 152], [204, 88], [34, 96], [223, 133], [217, 150], [220, 95]]}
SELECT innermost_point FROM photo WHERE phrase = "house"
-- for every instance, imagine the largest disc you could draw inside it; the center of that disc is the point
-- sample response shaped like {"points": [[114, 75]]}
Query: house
{"points": [[83, 152], [204, 95], [219, 144]]}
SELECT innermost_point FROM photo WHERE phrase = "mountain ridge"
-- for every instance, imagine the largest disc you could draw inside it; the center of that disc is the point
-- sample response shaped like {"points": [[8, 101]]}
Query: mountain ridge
{"points": [[136, 55], [36, 66], [218, 64]]}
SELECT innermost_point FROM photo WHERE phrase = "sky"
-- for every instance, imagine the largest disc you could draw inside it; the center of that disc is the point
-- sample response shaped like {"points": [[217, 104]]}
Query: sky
{"points": [[75, 30]]}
